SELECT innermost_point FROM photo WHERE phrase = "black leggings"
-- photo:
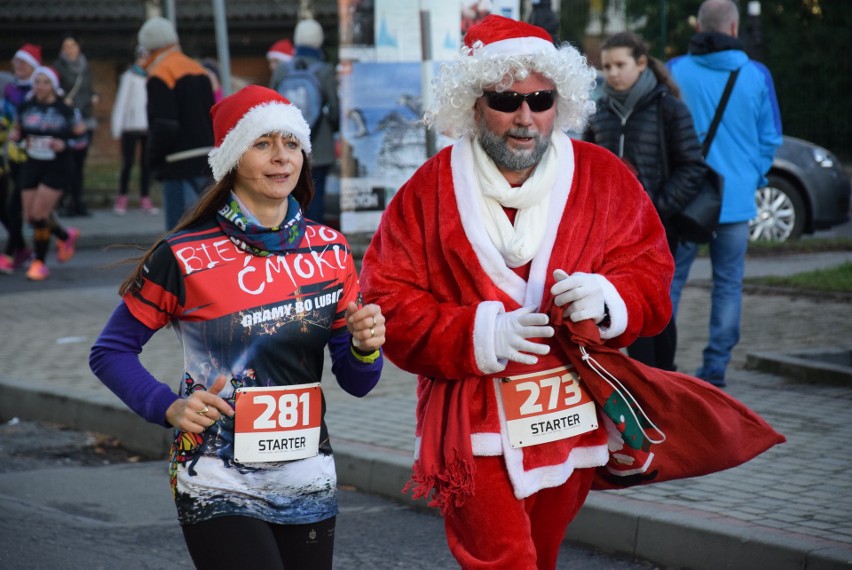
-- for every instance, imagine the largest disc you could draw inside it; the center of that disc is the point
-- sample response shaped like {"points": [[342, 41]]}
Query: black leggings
{"points": [[11, 210], [129, 141], [244, 542]]}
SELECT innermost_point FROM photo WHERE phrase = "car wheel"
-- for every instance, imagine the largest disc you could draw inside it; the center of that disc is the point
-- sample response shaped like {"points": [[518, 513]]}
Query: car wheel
{"points": [[780, 212]]}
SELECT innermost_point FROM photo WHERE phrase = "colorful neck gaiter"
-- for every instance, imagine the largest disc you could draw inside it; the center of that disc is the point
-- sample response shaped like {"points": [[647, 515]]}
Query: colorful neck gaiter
{"points": [[245, 231]]}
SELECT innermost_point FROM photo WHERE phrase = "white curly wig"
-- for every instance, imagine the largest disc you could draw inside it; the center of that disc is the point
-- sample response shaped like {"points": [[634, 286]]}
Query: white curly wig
{"points": [[493, 66]]}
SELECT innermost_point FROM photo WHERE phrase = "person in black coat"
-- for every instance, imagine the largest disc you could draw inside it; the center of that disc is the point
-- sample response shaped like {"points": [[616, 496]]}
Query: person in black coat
{"points": [[641, 103]]}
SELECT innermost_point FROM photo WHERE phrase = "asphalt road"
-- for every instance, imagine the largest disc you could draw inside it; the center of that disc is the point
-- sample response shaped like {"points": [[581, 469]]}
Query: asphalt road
{"points": [[88, 267], [72, 499]]}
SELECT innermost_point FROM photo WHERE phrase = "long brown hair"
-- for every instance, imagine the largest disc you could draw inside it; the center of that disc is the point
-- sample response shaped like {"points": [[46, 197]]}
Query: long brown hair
{"points": [[212, 199], [637, 48]]}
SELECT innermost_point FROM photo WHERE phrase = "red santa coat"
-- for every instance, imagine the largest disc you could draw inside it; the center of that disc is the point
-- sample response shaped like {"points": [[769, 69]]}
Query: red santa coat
{"points": [[441, 282]]}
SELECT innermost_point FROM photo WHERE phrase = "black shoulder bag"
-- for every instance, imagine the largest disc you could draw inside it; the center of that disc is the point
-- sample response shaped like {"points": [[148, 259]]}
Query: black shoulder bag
{"points": [[697, 221]]}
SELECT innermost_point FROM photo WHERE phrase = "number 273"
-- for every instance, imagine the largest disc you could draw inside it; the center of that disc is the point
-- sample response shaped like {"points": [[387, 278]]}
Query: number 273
{"points": [[552, 385]]}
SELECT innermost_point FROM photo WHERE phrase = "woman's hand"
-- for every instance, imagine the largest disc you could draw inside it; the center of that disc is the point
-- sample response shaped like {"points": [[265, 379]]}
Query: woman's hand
{"points": [[201, 409], [57, 145], [367, 326]]}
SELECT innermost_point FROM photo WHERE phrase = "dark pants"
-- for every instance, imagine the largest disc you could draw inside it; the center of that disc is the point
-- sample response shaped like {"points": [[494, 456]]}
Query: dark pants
{"points": [[129, 141], [657, 351], [243, 542], [74, 203], [11, 209]]}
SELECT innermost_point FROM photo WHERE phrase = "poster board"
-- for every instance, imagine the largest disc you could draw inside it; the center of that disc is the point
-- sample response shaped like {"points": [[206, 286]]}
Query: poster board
{"points": [[382, 75]]}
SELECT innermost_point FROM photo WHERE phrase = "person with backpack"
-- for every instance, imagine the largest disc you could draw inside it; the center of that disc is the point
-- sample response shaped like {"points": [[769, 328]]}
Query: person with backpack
{"points": [[310, 83], [180, 131]]}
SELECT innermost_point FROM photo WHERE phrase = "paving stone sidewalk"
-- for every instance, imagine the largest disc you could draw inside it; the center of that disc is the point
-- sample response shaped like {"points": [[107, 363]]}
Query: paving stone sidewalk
{"points": [[789, 508]]}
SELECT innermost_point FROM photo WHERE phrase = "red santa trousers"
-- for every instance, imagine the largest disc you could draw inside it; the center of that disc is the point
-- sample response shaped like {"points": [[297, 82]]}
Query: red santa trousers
{"points": [[494, 530]]}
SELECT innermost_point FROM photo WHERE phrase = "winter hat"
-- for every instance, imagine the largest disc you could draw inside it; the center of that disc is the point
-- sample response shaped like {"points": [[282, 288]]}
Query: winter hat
{"points": [[51, 74], [253, 111], [282, 50], [496, 35], [496, 50], [157, 33], [308, 33], [30, 53]]}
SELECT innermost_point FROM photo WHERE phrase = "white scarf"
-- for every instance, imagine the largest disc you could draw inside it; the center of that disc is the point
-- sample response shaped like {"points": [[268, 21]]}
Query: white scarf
{"points": [[517, 243]]}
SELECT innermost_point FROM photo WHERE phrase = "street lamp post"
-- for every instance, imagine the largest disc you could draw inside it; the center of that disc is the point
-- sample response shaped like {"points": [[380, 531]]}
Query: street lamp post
{"points": [[754, 33]]}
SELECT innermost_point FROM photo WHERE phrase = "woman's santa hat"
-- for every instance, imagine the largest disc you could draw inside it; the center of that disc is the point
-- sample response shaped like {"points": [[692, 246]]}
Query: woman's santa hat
{"points": [[251, 112], [29, 53], [282, 50], [51, 74]]}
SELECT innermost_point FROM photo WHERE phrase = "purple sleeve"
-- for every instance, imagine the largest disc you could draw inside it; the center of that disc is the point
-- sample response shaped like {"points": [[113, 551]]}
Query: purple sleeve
{"points": [[114, 359], [354, 376]]}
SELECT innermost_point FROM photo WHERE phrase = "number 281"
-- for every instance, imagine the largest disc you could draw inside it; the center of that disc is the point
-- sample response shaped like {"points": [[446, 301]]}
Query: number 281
{"points": [[288, 408]]}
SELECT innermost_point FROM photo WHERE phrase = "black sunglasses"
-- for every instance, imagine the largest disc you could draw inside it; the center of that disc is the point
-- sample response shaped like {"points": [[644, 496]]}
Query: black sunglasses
{"points": [[509, 101]]}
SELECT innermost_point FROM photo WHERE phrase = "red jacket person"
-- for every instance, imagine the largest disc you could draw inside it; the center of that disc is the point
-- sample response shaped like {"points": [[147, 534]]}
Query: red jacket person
{"points": [[473, 250]]}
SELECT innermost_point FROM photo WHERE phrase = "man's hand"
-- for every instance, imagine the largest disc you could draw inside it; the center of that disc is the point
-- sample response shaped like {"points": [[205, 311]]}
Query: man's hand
{"points": [[511, 331], [581, 294]]}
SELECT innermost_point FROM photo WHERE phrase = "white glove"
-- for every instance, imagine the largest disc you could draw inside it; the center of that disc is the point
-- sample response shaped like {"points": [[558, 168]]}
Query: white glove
{"points": [[511, 331], [581, 294]]}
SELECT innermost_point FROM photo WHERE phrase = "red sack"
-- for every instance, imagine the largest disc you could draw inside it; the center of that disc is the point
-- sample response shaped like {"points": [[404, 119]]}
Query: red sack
{"points": [[668, 425]]}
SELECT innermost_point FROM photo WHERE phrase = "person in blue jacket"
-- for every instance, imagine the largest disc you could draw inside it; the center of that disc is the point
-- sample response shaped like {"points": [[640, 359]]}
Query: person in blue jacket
{"points": [[742, 151]]}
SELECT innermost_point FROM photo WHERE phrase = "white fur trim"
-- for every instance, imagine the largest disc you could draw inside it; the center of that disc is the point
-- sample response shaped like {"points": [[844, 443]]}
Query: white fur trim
{"points": [[51, 75], [558, 199], [483, 337], [486, 444], [465, 185], [278, 56], [616, 307], [273, 117], [518, 46], [26, 56]]}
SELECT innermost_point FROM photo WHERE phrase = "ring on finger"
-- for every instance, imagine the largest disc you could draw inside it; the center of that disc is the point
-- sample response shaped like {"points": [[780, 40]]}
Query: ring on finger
{"points": [[204, 410], [374, 322], [372, 333]]}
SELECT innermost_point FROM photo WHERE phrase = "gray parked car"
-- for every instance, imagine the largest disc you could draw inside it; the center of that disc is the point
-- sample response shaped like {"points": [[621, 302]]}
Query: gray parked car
{"points": [[808, 190]]}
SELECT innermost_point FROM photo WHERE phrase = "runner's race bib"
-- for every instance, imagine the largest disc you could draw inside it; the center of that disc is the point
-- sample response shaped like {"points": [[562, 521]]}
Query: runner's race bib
{"points": [[39, 148], [546, 406], [279, 423]]}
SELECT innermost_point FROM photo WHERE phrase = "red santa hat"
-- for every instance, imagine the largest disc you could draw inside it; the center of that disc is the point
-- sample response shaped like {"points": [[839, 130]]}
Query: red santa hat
{"points": [[497, 35], [282, 50], [495, 49], [251, 112], [30, 53], [51, 74]]}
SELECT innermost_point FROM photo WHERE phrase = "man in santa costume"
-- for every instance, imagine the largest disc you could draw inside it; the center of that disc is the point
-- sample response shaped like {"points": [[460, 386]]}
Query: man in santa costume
{"points": [[470, 257]]}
